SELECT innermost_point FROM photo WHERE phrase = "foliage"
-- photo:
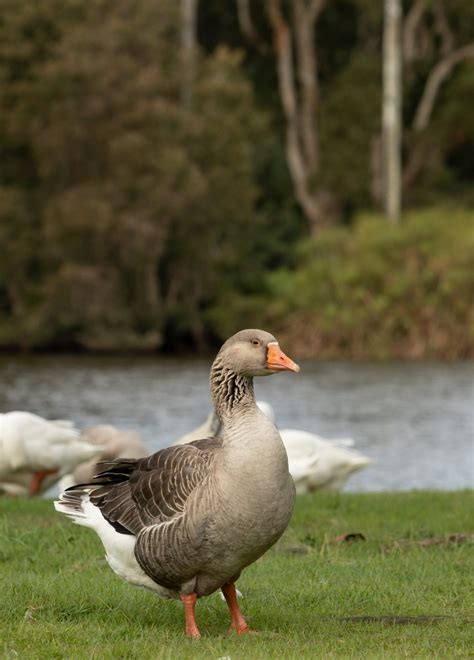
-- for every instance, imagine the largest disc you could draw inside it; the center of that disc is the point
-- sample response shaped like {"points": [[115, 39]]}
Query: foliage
{"points": [[347, 129], [130, 194], [348, 44], [404, 591], [375, 290], [131, 221]]}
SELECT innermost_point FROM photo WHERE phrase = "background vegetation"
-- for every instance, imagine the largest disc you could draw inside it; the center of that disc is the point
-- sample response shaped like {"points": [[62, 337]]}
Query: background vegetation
{"points": [[404, 591], [132, 218], [373, 291]]}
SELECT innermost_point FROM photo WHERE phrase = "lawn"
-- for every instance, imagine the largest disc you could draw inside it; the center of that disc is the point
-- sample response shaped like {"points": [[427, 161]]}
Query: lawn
{"points": [[405, 589]]}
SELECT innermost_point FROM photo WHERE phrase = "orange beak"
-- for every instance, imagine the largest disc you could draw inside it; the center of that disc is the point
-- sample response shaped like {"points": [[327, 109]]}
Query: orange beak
{"points": [[278, 361]]}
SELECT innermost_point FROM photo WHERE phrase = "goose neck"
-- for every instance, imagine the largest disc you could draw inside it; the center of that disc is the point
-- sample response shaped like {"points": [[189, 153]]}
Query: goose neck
{"points": [[231, 392]]}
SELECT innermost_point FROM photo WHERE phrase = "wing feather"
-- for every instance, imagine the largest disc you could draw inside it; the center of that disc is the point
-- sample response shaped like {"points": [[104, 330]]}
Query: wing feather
{"points": [[136, 493]]}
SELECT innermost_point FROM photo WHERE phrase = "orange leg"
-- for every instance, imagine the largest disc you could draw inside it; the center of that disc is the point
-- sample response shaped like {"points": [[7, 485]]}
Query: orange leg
{"points": [[37, 479], [238, 622], [189, 602]]}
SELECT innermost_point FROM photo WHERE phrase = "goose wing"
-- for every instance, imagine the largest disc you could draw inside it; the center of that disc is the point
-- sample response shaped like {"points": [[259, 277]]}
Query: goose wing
{"points": [[136, 493]]}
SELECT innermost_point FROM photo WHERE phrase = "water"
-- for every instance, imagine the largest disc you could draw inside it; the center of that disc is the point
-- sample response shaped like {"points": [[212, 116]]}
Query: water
{"points": [[415, 419]]}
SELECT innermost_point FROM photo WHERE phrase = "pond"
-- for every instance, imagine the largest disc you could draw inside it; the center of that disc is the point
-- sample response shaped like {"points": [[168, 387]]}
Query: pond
{"points": [[416, 420]]}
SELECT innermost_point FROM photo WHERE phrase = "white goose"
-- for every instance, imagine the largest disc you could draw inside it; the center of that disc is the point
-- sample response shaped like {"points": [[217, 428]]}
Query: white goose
{"points": [[317, 463], [320, 464], [113, 443], [208, 429], [32, 448]]}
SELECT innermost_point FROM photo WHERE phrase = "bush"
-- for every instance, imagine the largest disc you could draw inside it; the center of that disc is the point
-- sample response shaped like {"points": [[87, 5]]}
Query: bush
{"points": [[376, 290]]}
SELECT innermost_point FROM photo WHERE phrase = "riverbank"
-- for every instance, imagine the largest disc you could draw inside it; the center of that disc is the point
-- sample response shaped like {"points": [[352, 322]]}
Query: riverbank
{"points": [[402, 590]]}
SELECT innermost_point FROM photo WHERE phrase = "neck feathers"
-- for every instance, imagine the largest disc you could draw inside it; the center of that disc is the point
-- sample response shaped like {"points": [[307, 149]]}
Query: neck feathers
{"points": [[230, 391]]}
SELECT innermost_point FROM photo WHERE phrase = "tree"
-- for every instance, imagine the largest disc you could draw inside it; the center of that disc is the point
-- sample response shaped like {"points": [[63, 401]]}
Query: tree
{"points": [[125, 173], [296, 65], [392, 109], [299, 108], [428, 35]]}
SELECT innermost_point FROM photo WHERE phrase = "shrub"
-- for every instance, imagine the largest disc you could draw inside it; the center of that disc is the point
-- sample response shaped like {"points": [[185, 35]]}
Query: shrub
{"points": [[376, 290]]}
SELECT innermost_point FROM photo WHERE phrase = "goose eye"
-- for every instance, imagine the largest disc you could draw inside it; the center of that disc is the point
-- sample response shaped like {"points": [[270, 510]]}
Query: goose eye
{"points": [[255, 342]]}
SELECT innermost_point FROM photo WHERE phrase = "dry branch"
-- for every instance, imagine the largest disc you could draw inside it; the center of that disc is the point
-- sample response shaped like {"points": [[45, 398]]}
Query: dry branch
{"points": [[248, 28], [436, 78]]}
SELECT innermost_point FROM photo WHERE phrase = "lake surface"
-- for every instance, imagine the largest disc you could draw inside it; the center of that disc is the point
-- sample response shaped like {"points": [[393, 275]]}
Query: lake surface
{"points": [[416, 420]]}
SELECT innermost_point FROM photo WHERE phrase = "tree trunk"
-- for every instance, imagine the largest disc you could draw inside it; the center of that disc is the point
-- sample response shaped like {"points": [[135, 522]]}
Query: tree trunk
{"points": [[420, 146], [391, 113], [188, 49], [415, 26], [308, 80], [300, 114], [411, 29]]}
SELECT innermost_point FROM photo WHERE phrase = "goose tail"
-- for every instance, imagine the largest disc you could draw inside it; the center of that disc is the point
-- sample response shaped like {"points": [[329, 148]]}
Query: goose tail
{"points": [[72, 503], [75, 502]]}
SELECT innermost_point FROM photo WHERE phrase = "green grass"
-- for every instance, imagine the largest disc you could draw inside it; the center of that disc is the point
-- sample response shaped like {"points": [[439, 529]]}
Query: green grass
{"points": [[406, 590]]}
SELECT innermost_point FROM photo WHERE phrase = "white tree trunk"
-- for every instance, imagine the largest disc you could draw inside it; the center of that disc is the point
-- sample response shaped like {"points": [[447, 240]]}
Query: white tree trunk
{"points": [[392, 106]]}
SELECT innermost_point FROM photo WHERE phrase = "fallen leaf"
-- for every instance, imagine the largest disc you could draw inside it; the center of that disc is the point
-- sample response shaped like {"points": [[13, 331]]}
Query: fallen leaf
{"points": [[352, 537]]}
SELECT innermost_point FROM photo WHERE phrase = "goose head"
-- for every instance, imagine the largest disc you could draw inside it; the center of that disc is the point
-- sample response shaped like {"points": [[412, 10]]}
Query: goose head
{"points": [[254, 353]]}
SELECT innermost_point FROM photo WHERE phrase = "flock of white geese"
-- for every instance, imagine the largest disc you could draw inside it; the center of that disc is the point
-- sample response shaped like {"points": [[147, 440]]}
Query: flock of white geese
{"points": [[186, 520]]}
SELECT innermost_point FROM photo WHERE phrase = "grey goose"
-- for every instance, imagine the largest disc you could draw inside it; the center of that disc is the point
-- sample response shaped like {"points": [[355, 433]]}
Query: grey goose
{"points": [[186, 520]]}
